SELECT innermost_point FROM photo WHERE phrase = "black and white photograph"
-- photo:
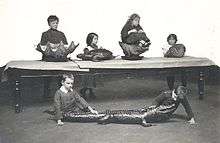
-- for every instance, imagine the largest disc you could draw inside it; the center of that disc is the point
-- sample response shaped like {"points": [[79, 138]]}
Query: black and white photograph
{"points": [[118, 71]]}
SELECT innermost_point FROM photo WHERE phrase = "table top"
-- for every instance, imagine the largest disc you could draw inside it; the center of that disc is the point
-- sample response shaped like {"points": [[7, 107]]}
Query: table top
{"points": [[147, 63], [115, 64], [78, 65]]}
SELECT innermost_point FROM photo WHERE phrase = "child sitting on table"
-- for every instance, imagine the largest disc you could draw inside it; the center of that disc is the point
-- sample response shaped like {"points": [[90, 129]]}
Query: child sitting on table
{"points": [[91, 41], [67, 99], [134, 39], [132, 32], [173, 50], [53, 44], [93, 51]]}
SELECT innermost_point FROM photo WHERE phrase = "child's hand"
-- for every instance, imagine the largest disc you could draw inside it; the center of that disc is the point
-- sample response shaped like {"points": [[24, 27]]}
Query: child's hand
{"points": [[43, 48], [164, 50], [132, 31], [59, 123], [140, 31], [192, 121], [152, 107]]}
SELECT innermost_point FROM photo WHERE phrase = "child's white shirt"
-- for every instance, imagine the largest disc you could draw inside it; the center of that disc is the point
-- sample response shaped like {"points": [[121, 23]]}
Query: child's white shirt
{"points": [[174, 96], [63, 89], [90, 48]]}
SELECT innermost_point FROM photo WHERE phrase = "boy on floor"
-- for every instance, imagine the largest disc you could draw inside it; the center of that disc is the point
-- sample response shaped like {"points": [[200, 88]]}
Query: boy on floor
{"points": [[67, 99]]}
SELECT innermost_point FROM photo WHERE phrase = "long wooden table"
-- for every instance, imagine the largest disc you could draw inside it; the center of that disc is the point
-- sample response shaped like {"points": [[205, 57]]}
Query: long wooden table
{"points": [[15, 70]]}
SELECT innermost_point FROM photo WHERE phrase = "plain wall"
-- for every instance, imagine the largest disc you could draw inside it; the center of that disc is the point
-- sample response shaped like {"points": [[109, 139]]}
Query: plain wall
{"points": [[196, 23]]}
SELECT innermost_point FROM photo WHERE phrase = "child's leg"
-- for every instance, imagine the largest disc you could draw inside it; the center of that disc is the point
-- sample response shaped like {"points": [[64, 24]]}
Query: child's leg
{"points": [[143, 36], [133, 39]]}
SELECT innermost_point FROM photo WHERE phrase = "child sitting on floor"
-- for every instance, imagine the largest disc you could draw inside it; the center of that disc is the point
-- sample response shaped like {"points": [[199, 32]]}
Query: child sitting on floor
{"points": [[173, 50], [67, 99]]}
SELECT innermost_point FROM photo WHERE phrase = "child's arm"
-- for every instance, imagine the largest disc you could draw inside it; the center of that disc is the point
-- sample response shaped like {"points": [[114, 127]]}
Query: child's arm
{"points": [[132, 31], [164, 49], [44, 39], [125, 33], [80, 100], [159, 99], [84, 104], [57, 106], [139, 29], [64, 41], [185, 102]]}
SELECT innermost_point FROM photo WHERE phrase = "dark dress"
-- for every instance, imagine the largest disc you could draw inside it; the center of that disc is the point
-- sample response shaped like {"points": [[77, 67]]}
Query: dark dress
{"points": [[132, 38], [53, 36], [176, 51]]}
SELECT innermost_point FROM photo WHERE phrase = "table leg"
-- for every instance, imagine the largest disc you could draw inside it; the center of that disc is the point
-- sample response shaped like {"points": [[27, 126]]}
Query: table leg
{"points": [[170, 82], [201, 84], [184, 78], [46, 87], [88, 83], [18, 97]]}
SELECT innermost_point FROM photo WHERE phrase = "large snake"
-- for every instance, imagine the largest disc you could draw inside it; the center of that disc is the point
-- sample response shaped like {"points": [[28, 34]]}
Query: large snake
{"points": [[140, 116]]}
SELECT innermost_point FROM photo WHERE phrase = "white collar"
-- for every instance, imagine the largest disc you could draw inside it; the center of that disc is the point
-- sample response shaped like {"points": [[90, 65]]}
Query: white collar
{"points": [[63, 89], [174, 96]]}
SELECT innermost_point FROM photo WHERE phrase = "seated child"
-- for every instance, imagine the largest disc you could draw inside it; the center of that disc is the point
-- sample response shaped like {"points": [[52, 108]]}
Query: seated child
{"points": [[173, 50], [67, 99], [93, 51], [133, 34], [53, 42]]}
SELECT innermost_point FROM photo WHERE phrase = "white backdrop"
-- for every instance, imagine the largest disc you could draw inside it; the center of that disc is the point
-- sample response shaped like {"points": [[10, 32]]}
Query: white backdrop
{"points": [[196, 23]]}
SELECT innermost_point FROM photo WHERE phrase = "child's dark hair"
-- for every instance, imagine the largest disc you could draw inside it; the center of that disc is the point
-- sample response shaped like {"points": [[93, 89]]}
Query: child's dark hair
{"points": [[52, 18], [65, 76], [172, 36], [132, 17], [182, 89], [90, 37]]}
